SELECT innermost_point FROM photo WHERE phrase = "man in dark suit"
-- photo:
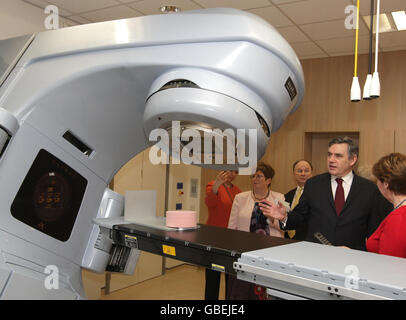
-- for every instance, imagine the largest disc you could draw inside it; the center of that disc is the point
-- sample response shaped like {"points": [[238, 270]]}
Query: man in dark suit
{"points": [[338, 204], [302, 170]]}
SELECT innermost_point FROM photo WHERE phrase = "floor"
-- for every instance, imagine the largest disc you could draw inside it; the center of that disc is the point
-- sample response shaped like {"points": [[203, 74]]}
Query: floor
{"points": [[184, 282]]}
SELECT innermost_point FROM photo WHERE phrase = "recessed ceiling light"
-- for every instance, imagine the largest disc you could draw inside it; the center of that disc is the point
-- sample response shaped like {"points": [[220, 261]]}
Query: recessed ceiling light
{"points": [[400, 19], [169, 9], [384, 23]]}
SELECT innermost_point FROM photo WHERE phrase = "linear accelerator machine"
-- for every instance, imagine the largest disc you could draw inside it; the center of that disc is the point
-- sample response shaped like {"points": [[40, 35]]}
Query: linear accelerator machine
{"points": [[76, 104]]}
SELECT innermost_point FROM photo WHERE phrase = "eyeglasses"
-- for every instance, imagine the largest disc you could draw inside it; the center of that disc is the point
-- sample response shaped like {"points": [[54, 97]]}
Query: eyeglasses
{"points": [[303, 171], [258, 176]]}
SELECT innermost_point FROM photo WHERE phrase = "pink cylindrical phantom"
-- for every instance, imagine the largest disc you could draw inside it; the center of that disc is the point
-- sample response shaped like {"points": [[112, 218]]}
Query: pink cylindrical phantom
{"points": [[181, 219]]}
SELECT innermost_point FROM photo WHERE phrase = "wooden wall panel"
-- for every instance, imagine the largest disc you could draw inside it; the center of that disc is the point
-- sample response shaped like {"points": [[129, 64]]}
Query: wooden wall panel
{"points": [[374, 144], [400, 140], [283, 150]]}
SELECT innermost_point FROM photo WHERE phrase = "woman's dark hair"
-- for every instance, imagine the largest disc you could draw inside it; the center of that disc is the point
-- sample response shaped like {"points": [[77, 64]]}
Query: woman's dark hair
{"points": [[392, 170], [266, 169]]}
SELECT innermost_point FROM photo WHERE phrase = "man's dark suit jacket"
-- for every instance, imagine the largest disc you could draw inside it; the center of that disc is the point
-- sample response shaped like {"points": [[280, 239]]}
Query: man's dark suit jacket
{"points": [[300, 233], [358, 220]]}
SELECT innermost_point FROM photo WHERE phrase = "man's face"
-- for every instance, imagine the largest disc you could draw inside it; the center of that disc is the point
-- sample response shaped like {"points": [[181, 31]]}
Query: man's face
{"points": [[338, 161], [302, 172]]}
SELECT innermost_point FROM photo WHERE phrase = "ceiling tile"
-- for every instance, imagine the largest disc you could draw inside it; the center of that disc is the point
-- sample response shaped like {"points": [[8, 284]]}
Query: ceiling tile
{"points": [[79, 19], [292, 34], [330, 29], [392, 39], [386, 6], [38, 3], [79, 6], [127, 1], [284, 1], [43, 4], [63, 22], [344, 45], [307, 49], [273, 15], [149, 7], [113, 13], [311, 11], [392, 5], [237, 4]]}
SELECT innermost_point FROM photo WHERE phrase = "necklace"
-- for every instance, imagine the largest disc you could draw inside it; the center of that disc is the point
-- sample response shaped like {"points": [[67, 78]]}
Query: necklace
{"points": [[257, 198], [400, 204]]}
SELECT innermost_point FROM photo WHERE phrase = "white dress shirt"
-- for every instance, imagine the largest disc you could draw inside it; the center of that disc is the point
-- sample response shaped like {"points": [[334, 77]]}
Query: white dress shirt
{"points": [[347, 181]]}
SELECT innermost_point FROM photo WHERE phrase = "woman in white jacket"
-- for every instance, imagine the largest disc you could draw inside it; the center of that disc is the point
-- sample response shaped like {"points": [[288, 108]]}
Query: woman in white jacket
{"points": [[246, 216]]}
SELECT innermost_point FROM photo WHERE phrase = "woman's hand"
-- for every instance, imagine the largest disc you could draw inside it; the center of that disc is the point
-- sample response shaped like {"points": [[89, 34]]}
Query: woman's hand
{"points": [[220, 179], [272, 210]]}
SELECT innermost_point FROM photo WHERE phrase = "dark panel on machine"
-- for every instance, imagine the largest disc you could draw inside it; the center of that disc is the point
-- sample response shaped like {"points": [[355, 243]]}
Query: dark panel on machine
{"points": [[50, 197]]}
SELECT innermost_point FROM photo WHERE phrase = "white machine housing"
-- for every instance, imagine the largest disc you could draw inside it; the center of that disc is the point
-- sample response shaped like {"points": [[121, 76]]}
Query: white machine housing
{"points": [[84, 100]]}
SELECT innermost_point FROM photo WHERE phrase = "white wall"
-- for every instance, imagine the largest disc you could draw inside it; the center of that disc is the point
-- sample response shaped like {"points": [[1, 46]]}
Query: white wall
{"points": [[18, 18], [184, 173]]}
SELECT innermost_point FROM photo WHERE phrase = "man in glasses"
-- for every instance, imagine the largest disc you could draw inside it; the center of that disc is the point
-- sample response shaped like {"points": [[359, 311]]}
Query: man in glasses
{"points": [[302, 170]]}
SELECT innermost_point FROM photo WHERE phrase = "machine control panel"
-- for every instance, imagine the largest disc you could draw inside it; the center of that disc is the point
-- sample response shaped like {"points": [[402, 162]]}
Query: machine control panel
{"points": [[50, 196]]}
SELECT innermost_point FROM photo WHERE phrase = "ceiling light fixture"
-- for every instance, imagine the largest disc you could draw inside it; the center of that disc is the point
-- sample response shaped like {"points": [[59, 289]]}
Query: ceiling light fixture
{"points": [[355, 88], [367, 87], [169, 9], [375, 84], [400, 19], [385, 22]]}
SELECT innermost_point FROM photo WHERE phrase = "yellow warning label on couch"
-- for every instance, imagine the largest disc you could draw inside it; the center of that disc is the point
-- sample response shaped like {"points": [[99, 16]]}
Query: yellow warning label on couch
{"points": [[169, 250]]}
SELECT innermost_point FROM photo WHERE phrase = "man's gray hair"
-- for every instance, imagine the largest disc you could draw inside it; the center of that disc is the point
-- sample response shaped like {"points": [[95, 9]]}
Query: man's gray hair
{"points": [[352, 146]]}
